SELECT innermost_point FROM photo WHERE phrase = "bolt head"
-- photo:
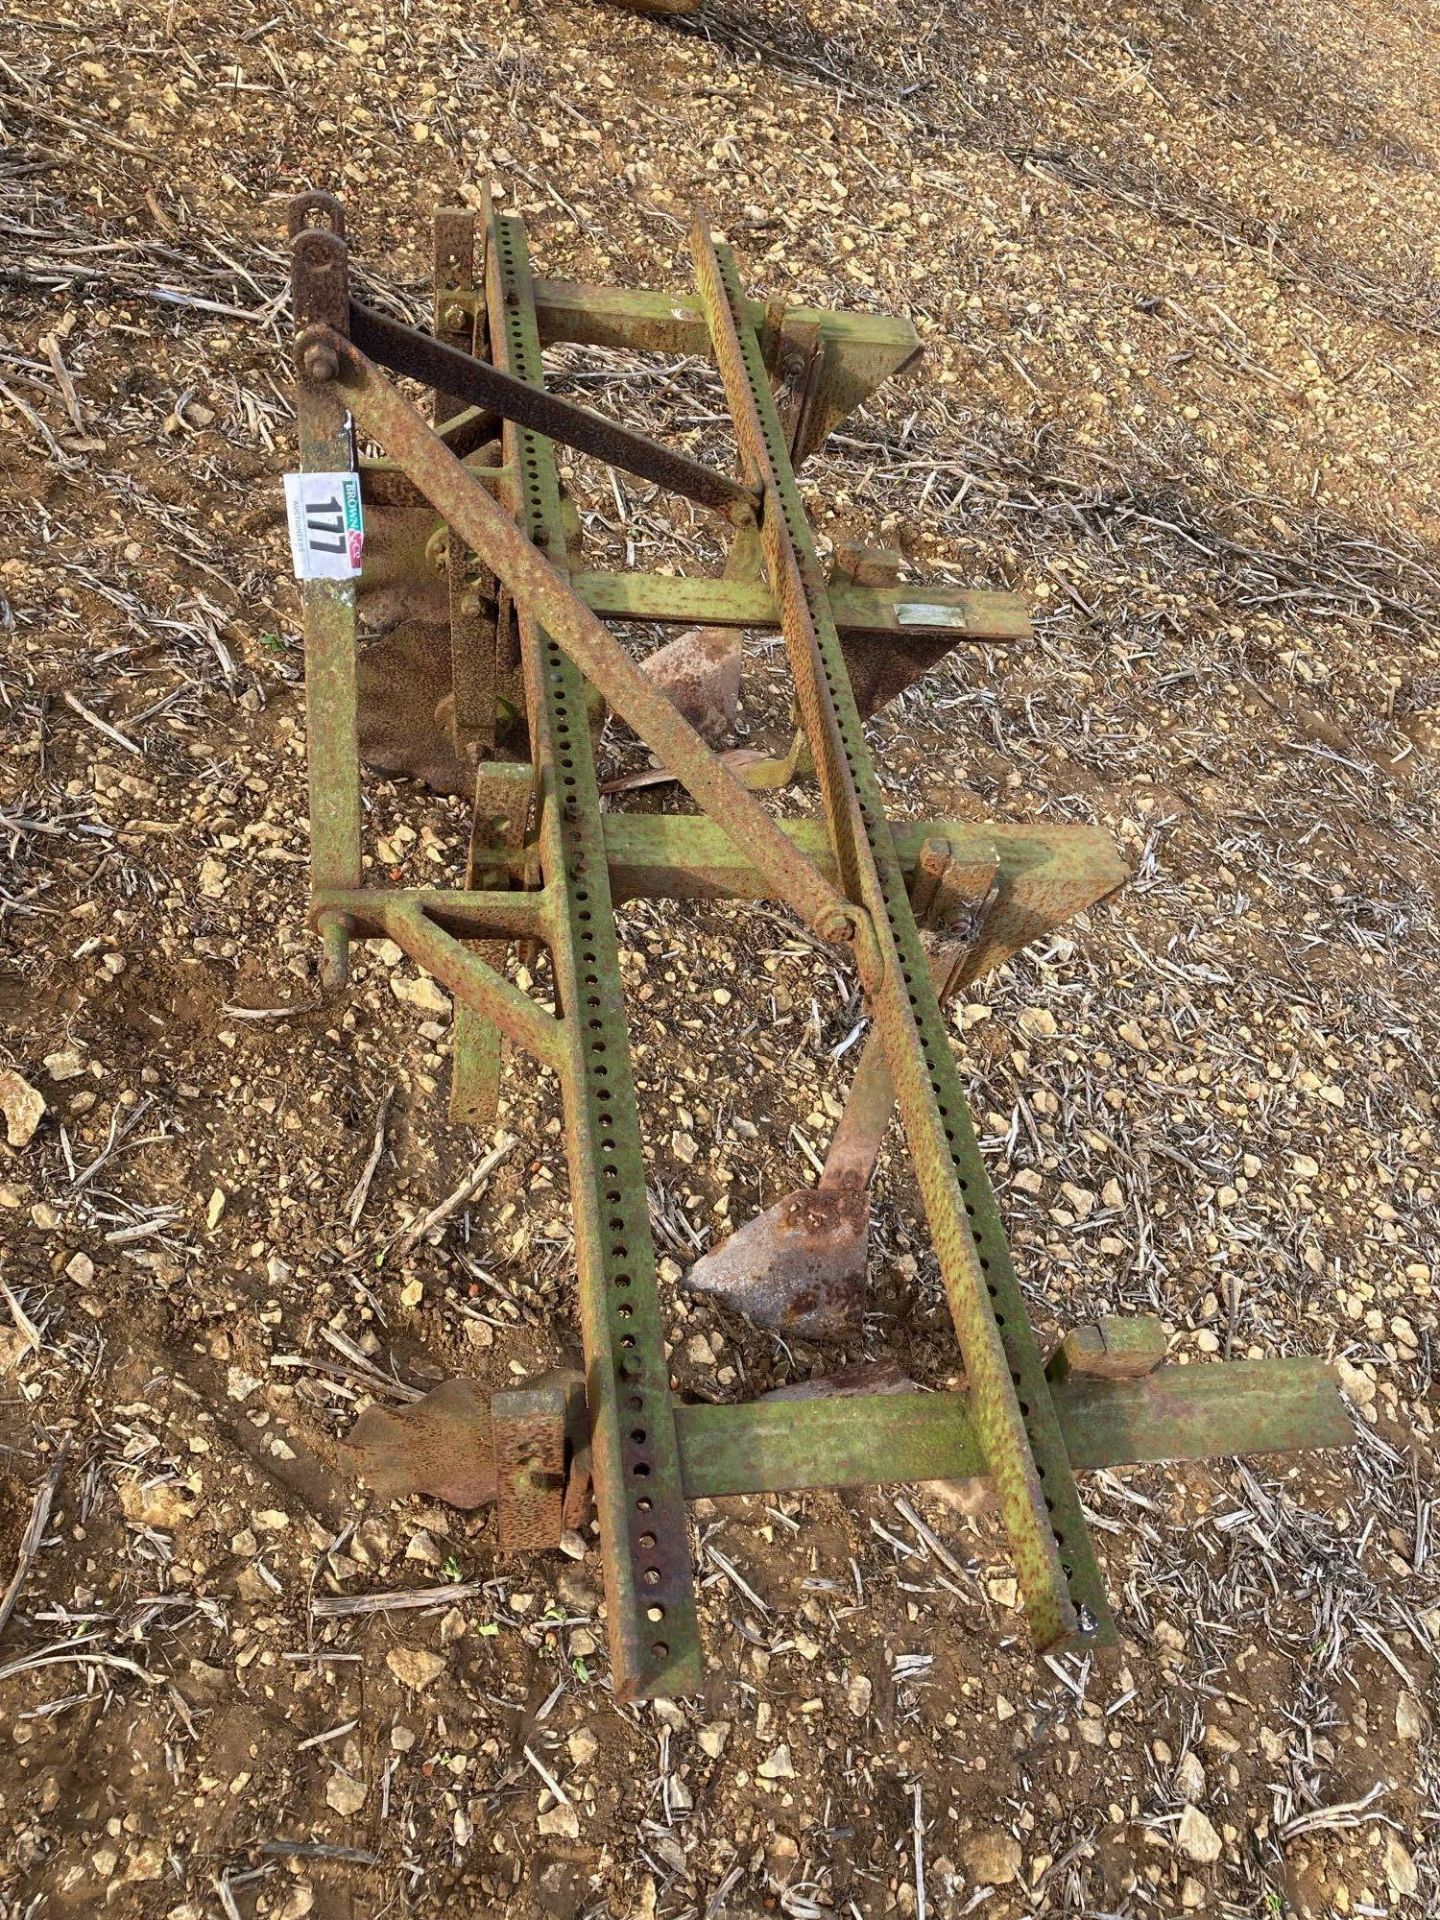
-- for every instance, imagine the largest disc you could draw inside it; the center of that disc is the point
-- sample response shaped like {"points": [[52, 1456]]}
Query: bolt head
{"points": [[320, 362], [455, 318], [839, 925]]}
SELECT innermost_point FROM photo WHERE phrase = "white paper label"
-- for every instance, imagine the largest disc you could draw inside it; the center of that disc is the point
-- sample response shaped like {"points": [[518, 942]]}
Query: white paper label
{"points": [[327, 530], [918, 613]]}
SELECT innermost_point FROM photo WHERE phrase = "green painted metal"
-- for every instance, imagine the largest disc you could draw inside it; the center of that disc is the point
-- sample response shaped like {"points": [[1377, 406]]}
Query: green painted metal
{"points": [[1113, 1349], [537, 582], [650, 1598], [1202, 1412], [1047, 874], [984, 618], [319, 273], [1176, 1413], [858, 351], [385, 483], [477, 1045], [472, 636], [1054, 1557]]}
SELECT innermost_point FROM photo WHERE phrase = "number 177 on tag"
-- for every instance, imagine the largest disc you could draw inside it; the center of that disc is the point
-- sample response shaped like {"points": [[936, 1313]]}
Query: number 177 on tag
{"points": [[327, 529]]}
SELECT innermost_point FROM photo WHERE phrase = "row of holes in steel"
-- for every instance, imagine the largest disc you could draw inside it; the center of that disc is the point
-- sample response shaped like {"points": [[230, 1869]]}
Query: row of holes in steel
{"points": [[629, 1390], [754, 369]]}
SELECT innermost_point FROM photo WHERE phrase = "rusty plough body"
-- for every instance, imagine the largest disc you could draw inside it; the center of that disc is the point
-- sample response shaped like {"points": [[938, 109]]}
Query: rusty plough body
{"points": [[471, 540]]}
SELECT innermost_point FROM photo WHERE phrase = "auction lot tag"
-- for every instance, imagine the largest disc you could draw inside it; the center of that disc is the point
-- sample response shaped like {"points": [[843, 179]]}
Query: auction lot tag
{"points": [[327, 531]]}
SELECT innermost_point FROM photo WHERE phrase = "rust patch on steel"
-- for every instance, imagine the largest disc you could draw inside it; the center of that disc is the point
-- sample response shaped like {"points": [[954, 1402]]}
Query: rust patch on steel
{"points": [[799, 1266], [699, 673], [527, 1426], [440, 1446]]}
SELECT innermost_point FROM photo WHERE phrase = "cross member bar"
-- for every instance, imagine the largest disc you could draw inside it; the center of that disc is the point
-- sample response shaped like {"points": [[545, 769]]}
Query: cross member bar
{"points": [[1201, 1412]]}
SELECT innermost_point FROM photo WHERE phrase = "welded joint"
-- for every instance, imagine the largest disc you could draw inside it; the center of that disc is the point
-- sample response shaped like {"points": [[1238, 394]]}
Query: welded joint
{"points": [[475, 983]]}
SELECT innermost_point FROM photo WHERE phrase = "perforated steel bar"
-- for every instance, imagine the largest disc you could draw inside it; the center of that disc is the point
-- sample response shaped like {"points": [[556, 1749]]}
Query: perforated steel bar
{"points": [[654, 1634], [533, 571], [1023, 1446]]}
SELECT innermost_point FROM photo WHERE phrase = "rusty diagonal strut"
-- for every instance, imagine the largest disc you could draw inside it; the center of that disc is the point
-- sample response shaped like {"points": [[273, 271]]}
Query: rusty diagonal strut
{"points": [[406, 350], [546, 864]]}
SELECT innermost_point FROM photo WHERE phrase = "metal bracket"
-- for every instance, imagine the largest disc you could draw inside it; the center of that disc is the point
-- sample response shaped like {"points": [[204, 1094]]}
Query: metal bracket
{"points": [[499, 822], [528, 1427]]}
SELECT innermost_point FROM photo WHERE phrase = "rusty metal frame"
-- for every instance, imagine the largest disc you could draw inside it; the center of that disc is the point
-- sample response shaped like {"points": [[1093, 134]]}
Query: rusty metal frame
{"points": [[531, 569], [474, 382], [547, 865], [1025, 1453], [654, 1632]]}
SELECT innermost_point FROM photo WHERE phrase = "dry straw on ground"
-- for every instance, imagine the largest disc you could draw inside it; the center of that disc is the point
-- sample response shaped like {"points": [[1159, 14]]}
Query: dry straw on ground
{"points": [[1175, 271]]}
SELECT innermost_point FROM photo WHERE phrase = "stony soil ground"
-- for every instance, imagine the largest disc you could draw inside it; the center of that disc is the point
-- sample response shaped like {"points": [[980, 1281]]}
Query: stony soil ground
{"points": [[1175, 269]]}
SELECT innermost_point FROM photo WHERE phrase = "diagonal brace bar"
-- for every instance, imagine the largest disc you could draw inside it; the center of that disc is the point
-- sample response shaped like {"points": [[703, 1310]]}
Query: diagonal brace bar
{"points": [[477, 984], [652, 1626], [464, 504], [406, 350]]}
